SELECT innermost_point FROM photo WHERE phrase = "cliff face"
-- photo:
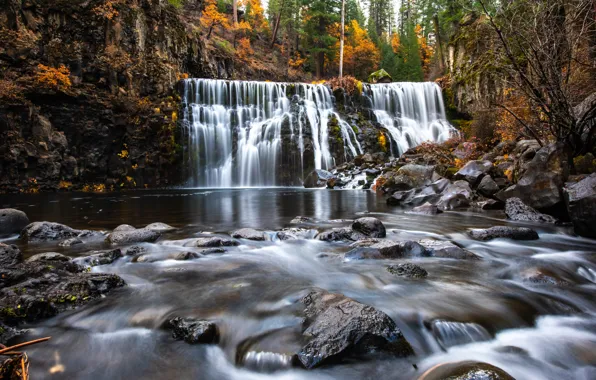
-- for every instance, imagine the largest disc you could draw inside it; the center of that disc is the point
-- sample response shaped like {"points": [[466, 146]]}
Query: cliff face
{"points": [[115, 123]]}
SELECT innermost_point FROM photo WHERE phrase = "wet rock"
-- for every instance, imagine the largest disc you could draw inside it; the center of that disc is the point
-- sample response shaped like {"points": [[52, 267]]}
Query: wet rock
{"points": [[515, 209], [96, 258], [9, 255], [515, 233], [335, 234], [336, 327], [12, 221], [407, 270], [386, 249], [301, 219], [466, 371], [408, 177], [296, 233], [212, 242], [70, 242], [48, 231], [250, 234], [123, 228], [446, 249], [580, 199], [363, 253], [210, 251], [541, 185], [135, 250], [400, 197], [489, 204], [128, 236], [456, 195], [7, 333], [317, 178], [48, 256], [473, 171], [488, 187], [426, 209], [160, 227], [193, 331], [370, 227], [183, 256], [542, 276]]}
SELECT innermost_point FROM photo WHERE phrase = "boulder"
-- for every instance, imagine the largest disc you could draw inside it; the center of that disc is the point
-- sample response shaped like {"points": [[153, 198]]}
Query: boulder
{"points": [[12, 221], [541, 186], [160, 227], [426, 209], [385, 249], [487, 186], [215, 241], [70, 242], [9, 255], [193, 331], [465, 371], [124, 227], [48, 231], [369, 227], [473, 171], [456, 195], [336, 327], [515, 233], [140, 235], [317, 178], [48, 256], [410, 176], [515, 209], [95, 258], [250, 234], [135, 250], [446, 249], [296, 233], [335, 234], [407, 270], [580, 199]]}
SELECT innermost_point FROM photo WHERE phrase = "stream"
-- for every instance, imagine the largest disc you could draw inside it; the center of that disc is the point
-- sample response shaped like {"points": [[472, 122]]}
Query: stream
{"points": [[483, 310]]}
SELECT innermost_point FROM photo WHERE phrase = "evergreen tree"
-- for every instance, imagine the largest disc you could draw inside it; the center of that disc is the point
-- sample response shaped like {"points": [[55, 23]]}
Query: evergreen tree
{"points": [[319, 16]]}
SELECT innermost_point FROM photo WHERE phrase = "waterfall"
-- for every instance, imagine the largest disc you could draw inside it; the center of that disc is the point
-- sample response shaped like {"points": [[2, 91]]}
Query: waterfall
{"points": [[235, 130], [412, 113]]}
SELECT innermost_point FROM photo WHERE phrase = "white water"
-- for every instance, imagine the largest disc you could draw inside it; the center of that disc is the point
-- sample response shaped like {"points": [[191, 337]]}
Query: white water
{"points": [[412, 113], [234, 130]]}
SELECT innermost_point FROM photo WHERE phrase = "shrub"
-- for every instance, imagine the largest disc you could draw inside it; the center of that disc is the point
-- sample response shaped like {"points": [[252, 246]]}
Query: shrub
{"points": [[350, 84], [10, 91], [57, 79], [225, 47]]}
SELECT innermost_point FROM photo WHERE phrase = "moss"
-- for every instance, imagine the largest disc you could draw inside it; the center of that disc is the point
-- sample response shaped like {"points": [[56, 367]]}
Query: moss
{"points": [[450, 172]]}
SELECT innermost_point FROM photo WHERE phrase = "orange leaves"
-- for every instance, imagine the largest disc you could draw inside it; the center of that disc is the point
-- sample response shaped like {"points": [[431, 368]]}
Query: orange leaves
{"points": [[212, 17], [52, 78], [350, 84], [256, 15], [244, 50], [507, 125], [361, 55], [108, 10], [426, 51], [297, 61], [395, 42]]}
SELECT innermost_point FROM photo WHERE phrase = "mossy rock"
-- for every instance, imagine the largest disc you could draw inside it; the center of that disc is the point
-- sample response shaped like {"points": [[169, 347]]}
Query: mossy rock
{"points": [[585, 164], [380, 76], [450, 172]]}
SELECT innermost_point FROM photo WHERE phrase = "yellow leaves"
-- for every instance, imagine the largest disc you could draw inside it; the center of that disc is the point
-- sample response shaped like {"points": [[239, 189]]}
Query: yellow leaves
{"points": [[395, 42], [361, 55], [94, 188], [382, 142], [256, 15], [244, 50], [135, 166], [459, 163], [64, 185], [297, 61], [174, 116], [53, 78], [212, 17], [322, 81], [124, 154]]}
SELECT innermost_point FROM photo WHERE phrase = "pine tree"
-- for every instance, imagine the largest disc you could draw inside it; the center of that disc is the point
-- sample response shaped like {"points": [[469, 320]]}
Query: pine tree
{"points": [[318, 18]]}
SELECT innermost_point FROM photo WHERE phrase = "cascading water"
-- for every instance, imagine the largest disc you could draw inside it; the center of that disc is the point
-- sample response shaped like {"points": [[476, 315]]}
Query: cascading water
{"points": [[412, 113], [234, 131]]}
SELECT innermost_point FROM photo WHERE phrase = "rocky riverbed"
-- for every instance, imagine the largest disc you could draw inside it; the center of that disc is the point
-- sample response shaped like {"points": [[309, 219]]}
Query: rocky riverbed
{"points": [[351, 288]]}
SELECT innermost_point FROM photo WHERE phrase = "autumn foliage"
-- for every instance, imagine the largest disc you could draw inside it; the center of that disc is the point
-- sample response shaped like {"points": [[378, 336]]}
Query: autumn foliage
{"points": [[361, 55], [212, 17], [244, 50], [57, 79]]}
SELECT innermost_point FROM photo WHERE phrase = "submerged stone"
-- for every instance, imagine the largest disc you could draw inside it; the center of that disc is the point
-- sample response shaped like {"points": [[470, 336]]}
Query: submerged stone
{"points": [[407, 270], [249, 234], [193, 331], [515, 233]]}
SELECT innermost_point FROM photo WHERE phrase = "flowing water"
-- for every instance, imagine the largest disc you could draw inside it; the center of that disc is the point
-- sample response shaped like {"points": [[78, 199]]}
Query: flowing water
{"points": [[480, 310], [412, 113]]}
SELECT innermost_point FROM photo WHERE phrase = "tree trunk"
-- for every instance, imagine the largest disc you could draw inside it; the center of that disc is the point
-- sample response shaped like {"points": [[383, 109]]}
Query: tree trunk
{"points": [[275, 29], [439, 44], [235, 10], [341, 43]]}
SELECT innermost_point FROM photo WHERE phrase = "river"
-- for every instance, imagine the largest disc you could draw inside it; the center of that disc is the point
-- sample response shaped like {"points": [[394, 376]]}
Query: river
{"points": [[482, 310]]}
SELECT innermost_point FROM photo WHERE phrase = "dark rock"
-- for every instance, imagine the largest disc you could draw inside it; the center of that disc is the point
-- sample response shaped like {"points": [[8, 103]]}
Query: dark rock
{"points": [[466, 371], [335, 234], [515, 233], [541, 185], [489, 204], [370, 227], [516, 210], [98, 258], [48, 256], [580, 199], [250, 234], [296, 233], [456, 195], [12, 221], [182, 256], [212, 242], [473, 171], [407, 270], [317, 178], [140, 235], [542, 276], [336, 327], [7, 333], [210, 251], [70, 242], [426, 209], [48, 231], [488, 187], [160, 227], [136, 250], [193, 331], [385, 249], [400, 197], [363, 253], [10, 255], [446, 249]]}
